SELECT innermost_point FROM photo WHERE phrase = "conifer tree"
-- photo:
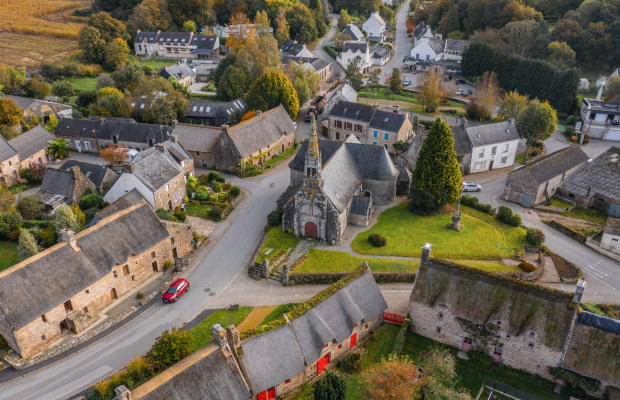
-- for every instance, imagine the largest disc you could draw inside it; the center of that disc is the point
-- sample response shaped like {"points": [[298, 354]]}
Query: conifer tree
{"points": [[330, 388], [353, 74], [436, 179], [27, 246]]}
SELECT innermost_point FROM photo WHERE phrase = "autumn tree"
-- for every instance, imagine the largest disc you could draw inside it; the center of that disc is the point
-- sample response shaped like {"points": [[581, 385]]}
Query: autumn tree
{"points": [[354, 76], [305, 81], [432, 92], [262, 23], [561, 54], [234, 83], [302, 24], [92, 44], [29, 206], [27, 246], [440, 376], [260, 55], [240, 33], [521, 36], [7, 199], [65, 219], [199, 11], [282, 29], [512, 104], [394, 378], [165, 103], [36, 88], [151, 15], [109, 28], [486, 96], [171, 347], [248, 115], [272, 89], [116, 54], [114, 155], [128, 76], [343, 20], [10, 113], [536, 122]]}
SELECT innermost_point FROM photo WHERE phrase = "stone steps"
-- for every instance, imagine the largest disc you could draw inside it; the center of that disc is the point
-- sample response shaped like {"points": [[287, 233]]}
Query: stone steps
{"points": [[255, 272]]}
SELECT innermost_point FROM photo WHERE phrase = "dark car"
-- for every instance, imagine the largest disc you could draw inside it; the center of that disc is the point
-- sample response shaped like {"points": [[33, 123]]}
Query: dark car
{"points": [[178, 287]]}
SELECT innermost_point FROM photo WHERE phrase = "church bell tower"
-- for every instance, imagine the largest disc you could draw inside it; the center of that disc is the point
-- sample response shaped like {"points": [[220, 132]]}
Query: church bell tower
{"points": [[312, 166]]}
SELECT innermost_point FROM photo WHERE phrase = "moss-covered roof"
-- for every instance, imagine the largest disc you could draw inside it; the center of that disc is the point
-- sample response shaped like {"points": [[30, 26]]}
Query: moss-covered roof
{"points": [[481, 297]]}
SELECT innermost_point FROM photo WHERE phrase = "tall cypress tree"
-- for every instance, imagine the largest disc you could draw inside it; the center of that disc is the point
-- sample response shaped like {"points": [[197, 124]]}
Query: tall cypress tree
{"points": [[330, 388], [436, 179]]}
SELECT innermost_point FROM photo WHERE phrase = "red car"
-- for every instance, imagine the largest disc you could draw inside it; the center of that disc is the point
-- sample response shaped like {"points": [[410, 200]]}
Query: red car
{"points": [[178, 287]]}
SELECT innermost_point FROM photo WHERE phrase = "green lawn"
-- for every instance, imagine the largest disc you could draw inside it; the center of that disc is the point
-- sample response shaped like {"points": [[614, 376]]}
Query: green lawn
{"points": [[277, 313], [202, 331], [156, 64], [589, 214], [283, 156], [21, 187], [380, 94], [482, 238], [336, 261], [201, 210], [276, 240], [557, 202], [83, 83], [8, 255], [520, 158]]}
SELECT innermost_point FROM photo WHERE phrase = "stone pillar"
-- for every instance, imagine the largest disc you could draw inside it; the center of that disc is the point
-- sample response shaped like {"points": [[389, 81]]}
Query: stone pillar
{"points": [[122, 393], [426, 253], [218, 334], [265, 268], [285, 275], [581, 287], [233, 336]]}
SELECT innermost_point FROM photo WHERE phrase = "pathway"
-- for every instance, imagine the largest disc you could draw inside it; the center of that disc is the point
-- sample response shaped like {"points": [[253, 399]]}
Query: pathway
{"points": [[255, 317], [322, 54]]}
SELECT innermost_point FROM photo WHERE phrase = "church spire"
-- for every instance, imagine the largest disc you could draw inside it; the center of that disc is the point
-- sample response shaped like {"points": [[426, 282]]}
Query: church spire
{"points": [[313, 155]]}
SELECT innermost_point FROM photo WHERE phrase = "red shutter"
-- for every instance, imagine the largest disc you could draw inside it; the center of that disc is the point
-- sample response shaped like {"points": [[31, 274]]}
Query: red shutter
{"points": [[353, 339], [320, 366], [271, 393], [262, 396]]}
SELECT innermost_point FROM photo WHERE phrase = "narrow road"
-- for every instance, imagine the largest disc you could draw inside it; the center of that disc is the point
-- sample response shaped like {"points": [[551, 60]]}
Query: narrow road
{"points": [[403, 43], [322, 54]]}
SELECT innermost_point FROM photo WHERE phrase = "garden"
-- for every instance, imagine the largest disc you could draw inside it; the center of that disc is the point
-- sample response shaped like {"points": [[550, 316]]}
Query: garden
{"points": [[210, 196], [276, 244]]}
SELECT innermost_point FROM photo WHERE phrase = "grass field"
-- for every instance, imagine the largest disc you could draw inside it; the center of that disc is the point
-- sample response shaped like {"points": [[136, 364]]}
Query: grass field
{"points": [[35, 17], [283, 156], [20, 50], [482, 238], [83, 83], [588, 214], [8, 255], [202, 331], [201, 210], [336, 261], [156, 64], [276, 240]]}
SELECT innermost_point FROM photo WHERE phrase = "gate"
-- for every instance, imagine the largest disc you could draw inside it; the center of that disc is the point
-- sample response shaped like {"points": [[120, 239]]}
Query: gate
{"points": [[526, 200], [614, 210], [393, 318]]}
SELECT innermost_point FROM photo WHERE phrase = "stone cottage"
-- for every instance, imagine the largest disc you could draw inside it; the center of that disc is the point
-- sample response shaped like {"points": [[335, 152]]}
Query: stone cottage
{"points": [[100, 175], [524, 325], [41, 109], [537, 181], [254, 141], [64, 289], [199, 141], [23, 151], [61, 186], [335, 184]]}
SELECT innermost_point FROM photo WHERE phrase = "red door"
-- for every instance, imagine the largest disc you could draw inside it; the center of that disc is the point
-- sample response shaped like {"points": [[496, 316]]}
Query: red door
{"points": [[311, 230], [262, 396], [320, 366], [353, 339], [267, 394]]}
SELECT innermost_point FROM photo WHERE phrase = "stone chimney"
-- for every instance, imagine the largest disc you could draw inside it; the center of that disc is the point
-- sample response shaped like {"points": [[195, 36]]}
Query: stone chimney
{"points": [[581, 287], [464, 123], [158, 31], [218, 334], [138, 31], [174, 138], [375, 106], [122, 393], [129, 168], [233, 336], [160, 147], [259, 112], [589, 191], [67, 235], [225, 128], [426, 253]]}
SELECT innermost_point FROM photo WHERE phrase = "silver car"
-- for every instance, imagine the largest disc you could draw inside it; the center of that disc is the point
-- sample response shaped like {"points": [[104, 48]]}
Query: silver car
{"points": [[471, 187]]}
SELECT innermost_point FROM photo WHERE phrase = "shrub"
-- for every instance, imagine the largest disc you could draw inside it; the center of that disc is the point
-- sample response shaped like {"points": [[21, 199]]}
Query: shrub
{"points": [[480, 358], [217, 188], [535, 236], [212, 176], [216, 213], [273, 219], [470, 201], [570, 120], [140, 369], [504, 214], [575, 379], [235, 191], [202, 195], [220, 179], [33, 174], [180, 215], [167, 265], [139, 295], [331, 387], [350, 364], [92, 200], [29, 206], [527, 267], [165, 215], [536, 152], [515, 220], [195, 203], [486, 208], [377, 240], [171, 347], [10, 222]]}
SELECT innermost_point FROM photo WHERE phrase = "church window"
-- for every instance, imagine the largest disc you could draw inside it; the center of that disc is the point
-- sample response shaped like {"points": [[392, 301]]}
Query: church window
{"points": [[531, 345], [311, 172], [440, 315], [532, 334]]}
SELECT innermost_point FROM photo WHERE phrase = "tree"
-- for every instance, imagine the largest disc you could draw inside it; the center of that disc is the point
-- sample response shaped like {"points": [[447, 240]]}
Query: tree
{"points": [[109, 28], [401, 146], [189, 26], [395, 81], [65, 219], [216, 73], [260, 55], [151, 15], [79, 215], [262, 23], [272, 89], [199, 11], [161, 109], [111, 106], [612, 87], [343, 20], [171, 347], [282, 29], [432, 91], [486, 96], [63, 89], [302, 24], [561, 53], [305, 81], [536, 122], [521, 36], [234, 83], [58, 148], [104, 81], [10, 113], [27, 246], [114, 155], [7, 199], [10, 222], [116, 54], [451, 23], [52, 124], [386, 13], [394, 378], [242, 34], [36, 88], [374, 80], [29, 206], [436, 179], [353, 74], [128, 76], [248, 115], [92, 44], [331, 387], [441, 377], [511, 105]]}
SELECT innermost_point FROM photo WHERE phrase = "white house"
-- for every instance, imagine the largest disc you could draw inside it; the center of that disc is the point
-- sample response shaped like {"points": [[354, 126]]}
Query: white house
{"points": [[428, 49], [492, 146], [176, 44], [421, 31], [224, 31], [344, 92], [358, 53], [611, 235], [354, 33], [380, 55], [454, 49], [375, 27], [601, 120]]}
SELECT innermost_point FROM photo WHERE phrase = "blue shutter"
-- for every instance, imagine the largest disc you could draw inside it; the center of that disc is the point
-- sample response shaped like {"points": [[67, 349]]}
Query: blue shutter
{"points": [[374, 143], [376, 133], [387, 136]]}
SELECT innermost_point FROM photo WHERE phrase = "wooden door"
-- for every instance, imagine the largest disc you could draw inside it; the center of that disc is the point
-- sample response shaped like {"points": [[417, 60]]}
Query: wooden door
{"points": [[490, 165], [354, 339], [113, 294], [320, 366], [311, 230], [271, 393], [174, 253]]}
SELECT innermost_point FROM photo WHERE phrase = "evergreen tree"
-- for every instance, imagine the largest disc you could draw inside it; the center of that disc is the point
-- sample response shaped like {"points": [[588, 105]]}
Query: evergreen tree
{"points": [[436, 179], [353, 74], [395, 81], [331, 387], [343, 20], [272, 89], [65, 219], [451, 22], [27, 246]]}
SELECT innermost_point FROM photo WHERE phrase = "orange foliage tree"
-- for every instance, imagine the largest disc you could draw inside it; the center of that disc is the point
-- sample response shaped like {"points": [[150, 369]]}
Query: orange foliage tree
{"points": [[248, 115], [410, 25], [114, 154], [395, 378], [240, 31]]}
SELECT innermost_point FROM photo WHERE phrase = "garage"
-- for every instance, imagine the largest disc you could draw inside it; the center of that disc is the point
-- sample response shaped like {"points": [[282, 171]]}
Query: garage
{"points": [[613, 134]]}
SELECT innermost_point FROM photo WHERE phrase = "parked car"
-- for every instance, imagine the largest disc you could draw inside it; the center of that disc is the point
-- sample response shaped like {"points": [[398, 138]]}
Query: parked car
{"points": [[407, 82], [176, 290], [471, 187], [461, 92]]}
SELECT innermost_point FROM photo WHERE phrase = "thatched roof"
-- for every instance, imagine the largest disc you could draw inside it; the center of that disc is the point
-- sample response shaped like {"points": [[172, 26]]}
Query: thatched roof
{"points": [[481, 297]]}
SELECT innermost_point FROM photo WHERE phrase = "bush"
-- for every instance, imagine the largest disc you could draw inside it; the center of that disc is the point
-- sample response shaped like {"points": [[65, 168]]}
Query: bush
{"points": [[63, 89], [377, 240], [216, 213], [350, 364], [165, 215], [527, 267], [504, 214], [212, 176], [180, 215], [235, 191], [171, 347], [480, 358], [273, 219], [574, 379], [535, 236], [10, 222], [486, 208], [91, 201], [167, 265], [515, 220], [570, 121], [139, 295], [33, 174], [472, 202], [331, 387], [202, 195], [217, 188], [29, 206]]}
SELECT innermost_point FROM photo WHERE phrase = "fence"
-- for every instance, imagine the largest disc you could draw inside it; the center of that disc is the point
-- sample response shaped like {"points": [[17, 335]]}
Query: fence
{"points": [[503, 389], [594, 242], [393, 318]]}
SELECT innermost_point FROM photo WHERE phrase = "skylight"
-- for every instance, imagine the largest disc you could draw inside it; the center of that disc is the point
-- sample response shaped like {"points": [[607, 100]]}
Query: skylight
{"points": [[195, 107], [201, 108], [208, 109]]}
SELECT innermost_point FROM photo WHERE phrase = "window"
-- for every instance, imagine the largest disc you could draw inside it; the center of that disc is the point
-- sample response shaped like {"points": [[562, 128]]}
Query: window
{"points": [[507, 336], [503, 161], [140, 47], [85, 309], [172, 240], [176, 183], [386, 136], [374, 143], [176, 197], [481, 153], [197, 153], [467, 340], [153, 254], [506, 147], [68, 306], [338, 124], [358, 128], [375, 134], [340, 346], [115, 274], [532, 334], [440, 315], [438, 329], [572, 196], [115, 139], [479, 165], [167, 187], [43, 337], [499, 323], [43, 318], [530, 345], [185, 178], [348, 126], [286, 382], [87, 291], [428, 57], [126, 269], [366, 326], [494, 150]]}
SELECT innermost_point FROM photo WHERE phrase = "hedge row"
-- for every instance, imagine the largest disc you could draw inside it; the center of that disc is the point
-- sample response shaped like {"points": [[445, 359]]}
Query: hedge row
{"points": [[400, 338]]}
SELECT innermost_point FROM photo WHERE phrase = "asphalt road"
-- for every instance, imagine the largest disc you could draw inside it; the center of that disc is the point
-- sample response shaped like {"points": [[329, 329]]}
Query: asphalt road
{"points": [[228, 257], [403, 43]]}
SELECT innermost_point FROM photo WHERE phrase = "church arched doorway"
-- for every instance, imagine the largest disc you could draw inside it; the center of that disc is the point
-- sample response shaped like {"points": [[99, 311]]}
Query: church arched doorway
{"points": [[367, 194], [311, 230]]}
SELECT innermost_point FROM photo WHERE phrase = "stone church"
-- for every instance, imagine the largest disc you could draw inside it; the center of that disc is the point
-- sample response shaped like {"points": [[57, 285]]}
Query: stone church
{"points": [[334, 184]]}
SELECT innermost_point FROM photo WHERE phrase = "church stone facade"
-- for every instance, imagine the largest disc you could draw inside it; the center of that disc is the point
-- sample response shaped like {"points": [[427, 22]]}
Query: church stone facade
{"points": [[335, 184]]}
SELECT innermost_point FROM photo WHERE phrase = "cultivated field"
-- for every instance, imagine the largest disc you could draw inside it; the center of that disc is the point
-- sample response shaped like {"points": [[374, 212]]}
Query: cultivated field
{"points": [[18, 50], [38, 17]]}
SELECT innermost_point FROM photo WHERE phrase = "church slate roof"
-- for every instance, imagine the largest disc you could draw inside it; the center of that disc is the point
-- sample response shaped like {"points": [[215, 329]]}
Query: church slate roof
{"points": [[359, 205], [36, 285], [601, 174], [341, 179], [326, 147], [554, 164], [31, 142], [373, 162]]}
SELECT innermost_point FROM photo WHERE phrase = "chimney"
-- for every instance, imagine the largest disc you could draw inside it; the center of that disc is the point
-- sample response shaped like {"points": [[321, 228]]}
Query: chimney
{"points": [[259, 112], [122, 393], [129, 168], [225, 127], [589, 191], [160, 147], [175, 138], [375, 106], [581, 287], [464, 123], [218, 334], [233, 336], [158, 31], [67, 235], [426, 253]]}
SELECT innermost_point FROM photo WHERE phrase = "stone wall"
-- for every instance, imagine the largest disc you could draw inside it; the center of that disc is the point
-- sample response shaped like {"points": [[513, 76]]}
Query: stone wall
{"points": [[82, 183], [163, 196], [534, 275], [329, 278], [183, 236], [225, 154], [9, 170], [34, 159], [567, 231]]}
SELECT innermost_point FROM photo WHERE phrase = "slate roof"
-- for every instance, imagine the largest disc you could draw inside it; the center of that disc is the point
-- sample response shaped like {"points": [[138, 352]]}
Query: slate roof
{"points": [[319, 65], [376, 16], [6, 150], [613, 226], [197, 138], [156, 169], [456, 45], [347, 92], [212, 377], [492, 133], [36, 285], [204, 44], [122, 203], [404, 175], [327, 148], [177, 71], [260, 131], [271, 358], [174, 150], [341, 179], [106, 128], [149, 37], [58, 181], [419, 30], [355, 111], [355, 47], [359, 205], [461, 142], [31, 142], [205, 109], [25, 102], [387, 121], [334, 317], [379, 51], [353, 31], [437, 44], [291, 47], [227, 109], [555, 164], [601, 174], [173, 37], [94, 172]]}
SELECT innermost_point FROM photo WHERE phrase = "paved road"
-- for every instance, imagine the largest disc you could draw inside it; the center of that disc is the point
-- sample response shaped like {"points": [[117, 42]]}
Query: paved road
{"points": [[403, 43], [322, 54], [227, 258]]}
